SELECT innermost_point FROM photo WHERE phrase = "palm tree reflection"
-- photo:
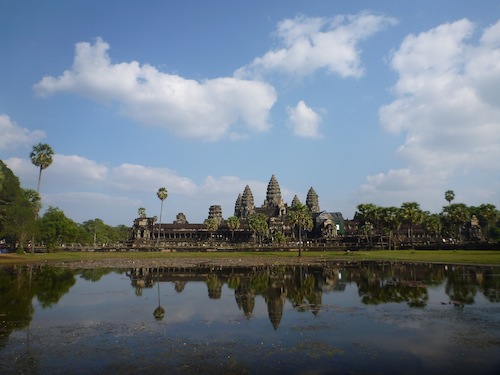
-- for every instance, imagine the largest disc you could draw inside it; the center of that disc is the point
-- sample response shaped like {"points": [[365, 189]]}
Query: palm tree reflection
{"points": [[159, 312]]}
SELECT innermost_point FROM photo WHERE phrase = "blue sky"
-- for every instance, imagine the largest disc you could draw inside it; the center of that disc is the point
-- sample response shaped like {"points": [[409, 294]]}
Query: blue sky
{"points": [[366, 101]]}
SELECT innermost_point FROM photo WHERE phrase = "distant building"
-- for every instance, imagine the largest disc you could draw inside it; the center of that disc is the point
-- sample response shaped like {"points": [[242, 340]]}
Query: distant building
{"points": [[327, 225]]}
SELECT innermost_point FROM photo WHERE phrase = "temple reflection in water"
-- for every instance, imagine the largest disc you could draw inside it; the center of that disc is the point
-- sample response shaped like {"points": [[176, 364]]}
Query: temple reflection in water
{"points": [[298, 318], [303, 286]]}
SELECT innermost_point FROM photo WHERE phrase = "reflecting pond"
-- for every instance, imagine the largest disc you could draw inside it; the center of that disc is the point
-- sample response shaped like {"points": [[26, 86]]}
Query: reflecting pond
{"points": [[374, 317]]}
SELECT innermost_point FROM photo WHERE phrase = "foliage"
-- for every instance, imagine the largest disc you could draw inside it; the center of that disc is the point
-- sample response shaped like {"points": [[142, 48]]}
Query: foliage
{"points": [[54, 228], [233, 223], [258, 225], [457, 214], [141, 212], [412, 214], [212, 225], [162, 194], [97, 233], [279, 237], [300, 217], [17, 209], [449, 195]]}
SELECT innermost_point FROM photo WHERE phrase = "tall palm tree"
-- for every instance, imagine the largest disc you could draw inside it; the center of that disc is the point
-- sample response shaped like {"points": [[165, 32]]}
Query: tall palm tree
{"points": [[162, 195], [449, 195], [42, 157], [233, 223], [369, 213], [212, 225], [458, 214], [433, 225], [258, 224], [391, 220], [300, 216], [412, 214], [488, 213]]}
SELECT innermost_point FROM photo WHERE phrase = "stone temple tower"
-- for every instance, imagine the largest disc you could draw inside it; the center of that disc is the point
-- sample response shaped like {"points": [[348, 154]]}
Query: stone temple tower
{"points": [[273, 195], [247, 203], [215, 212], [237, 206], [312, 201]]}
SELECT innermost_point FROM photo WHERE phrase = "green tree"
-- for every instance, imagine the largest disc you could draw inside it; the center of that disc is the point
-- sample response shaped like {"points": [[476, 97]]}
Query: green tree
{"points": [[433, 225], [233, 223], [279, 237], [369, 216], [96, 231], [141, 212], [56, 229], [162, 195], [390, 218], [458, 214], [42, 157], [412, 214], [17, 207], [300, 216], [258, 225], [212, 225], [449, 195], [489, 214]]}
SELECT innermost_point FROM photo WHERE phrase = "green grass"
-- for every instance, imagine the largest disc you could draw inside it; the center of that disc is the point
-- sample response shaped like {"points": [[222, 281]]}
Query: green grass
{"points": [[444, 256]]}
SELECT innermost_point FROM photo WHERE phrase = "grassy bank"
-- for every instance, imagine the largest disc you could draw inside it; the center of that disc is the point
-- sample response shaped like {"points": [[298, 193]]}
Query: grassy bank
{"points": [[441, 256]]}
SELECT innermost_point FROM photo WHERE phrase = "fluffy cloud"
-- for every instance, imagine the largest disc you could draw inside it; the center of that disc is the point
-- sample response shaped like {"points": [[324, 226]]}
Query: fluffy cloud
{"points": [[14, 136], [308, 44], [304, 121], [139, 178], [447, 105], [210, 110]]}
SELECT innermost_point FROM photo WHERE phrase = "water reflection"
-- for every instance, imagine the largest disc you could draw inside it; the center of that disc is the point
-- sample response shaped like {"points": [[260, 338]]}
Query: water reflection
{"points": [[303, 286], [389, 310]]}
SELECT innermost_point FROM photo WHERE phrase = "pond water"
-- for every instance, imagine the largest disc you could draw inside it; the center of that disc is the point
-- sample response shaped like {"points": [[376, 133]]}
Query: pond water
{"points": [[386, 318]]}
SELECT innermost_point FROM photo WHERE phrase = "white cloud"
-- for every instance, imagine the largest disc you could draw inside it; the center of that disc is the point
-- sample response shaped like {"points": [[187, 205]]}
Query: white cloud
{"points": [[139, 178], [13, 135], [304, 121], [210, 109], [308, 44], [447, 105]]}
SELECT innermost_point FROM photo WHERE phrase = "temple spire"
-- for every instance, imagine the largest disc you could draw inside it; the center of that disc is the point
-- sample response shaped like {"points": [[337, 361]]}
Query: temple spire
{"points": [[312, 201], [273, 195], [247, 203]]}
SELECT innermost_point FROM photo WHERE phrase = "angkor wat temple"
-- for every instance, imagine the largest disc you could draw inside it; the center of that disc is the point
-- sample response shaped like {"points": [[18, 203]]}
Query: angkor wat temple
{"points": [[327, 226]]}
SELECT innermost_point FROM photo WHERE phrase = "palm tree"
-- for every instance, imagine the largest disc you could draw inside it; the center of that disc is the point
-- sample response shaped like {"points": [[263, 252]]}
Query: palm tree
{"points": [[433, 225], [159, 312], [42, 157], [212, 225], [369, 213], [488, 213], [162, 195], [233, 223], [258, 224], [141, 212], [391, 220], [412, 214], [459, 214], [300, 216], [449, 195]]}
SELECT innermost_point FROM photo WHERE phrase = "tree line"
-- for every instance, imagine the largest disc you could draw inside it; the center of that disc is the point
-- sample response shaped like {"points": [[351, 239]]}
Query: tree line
{"points": [[456, 222], [21, 226]]}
